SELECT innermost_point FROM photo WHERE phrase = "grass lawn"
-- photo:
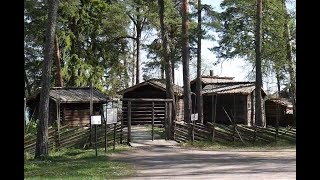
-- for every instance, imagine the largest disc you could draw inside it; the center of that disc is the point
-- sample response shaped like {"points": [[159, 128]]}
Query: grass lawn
{"points": [[78, 164], [208, 145]]}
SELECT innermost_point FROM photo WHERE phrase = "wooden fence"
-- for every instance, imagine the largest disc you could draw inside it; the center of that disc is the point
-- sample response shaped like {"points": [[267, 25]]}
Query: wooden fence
{"points": [[218, 132], [75, 137]]}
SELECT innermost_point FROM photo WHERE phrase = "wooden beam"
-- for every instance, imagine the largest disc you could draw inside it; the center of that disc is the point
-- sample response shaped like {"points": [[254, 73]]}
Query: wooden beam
{"points": [[129, 122], [146, 99], [152, 120]]}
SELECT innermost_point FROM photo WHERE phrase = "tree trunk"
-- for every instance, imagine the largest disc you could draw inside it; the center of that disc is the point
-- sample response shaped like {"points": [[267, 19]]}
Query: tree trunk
{"points": [[168, 70], [172, 67], [162, 71], [27, 84], [185, 63], [139, 30], [42, 128], [258, 104], [57, 61], [134, 43], [292, 87], [199, 84], [126, 76], [278, 83]]}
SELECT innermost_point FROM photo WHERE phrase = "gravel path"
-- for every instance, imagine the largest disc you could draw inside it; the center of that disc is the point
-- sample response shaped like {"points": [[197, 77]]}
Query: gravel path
{"points": [[162, 159]]}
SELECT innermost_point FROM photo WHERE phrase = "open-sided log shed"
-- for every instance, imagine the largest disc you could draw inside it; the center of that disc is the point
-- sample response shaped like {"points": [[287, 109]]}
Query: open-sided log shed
{"points": [[71, 104], [150, 89], [280, 107], [234, 98]]}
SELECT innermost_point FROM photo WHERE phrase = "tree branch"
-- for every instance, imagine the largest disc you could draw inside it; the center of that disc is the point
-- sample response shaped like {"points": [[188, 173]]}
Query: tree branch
{"points": [[132, 19]]}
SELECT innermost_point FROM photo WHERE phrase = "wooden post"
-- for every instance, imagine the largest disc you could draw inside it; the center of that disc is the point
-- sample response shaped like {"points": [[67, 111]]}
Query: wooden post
{"points": [[114, 136], [170, 128], [152, 133], [58, 123], [234, 118], [106, 132], [277, 122], [96, 144], [192, 139], [121, 130], [91, 109], [213, 131], [129, 122], [254, 134], [24, 118], [166, 120]]}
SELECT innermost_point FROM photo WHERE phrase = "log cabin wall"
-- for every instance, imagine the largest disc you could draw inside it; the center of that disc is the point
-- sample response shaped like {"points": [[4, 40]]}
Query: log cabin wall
{"points": [[141, 112], [227, 101], [78, 114]]}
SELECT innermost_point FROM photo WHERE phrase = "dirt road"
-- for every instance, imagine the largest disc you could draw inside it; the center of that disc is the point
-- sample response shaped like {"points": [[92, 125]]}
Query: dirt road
{"points": [[164, 160]]}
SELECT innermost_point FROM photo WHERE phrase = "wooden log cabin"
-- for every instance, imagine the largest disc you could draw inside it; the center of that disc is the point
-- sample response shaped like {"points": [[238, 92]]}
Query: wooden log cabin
{"points": [[280, 107], [72, 104], [150, 89], [222, 94], [236, 98], [205, 80]]}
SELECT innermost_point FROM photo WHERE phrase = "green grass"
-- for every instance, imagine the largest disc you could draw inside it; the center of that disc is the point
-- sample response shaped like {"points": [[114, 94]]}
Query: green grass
{"points": [[237, 145], [77, 164]]}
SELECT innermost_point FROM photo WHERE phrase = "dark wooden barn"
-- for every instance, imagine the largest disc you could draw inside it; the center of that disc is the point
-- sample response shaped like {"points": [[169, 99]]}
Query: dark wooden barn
{"points": [[205, 80], [150, 89], [71, 104], [280, 107], [235, 98]]}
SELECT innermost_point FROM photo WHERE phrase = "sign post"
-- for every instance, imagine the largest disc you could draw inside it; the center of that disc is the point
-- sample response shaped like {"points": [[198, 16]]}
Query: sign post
{"points": [[112, 119], [96, 120]]}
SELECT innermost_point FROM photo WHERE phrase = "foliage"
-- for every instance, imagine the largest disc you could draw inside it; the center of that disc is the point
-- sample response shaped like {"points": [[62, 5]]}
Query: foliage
{"points": [[31, 127], [91, 39], [236, 34], [78, 164]]}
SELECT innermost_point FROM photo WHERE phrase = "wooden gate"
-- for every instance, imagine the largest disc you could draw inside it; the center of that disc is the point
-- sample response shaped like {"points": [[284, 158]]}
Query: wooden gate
{"points": [[147, 111]]}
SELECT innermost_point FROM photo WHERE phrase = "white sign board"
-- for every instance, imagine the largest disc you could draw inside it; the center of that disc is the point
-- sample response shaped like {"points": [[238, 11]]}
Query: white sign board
{"points": [[194, 117], [96, 119], [112, 116]]}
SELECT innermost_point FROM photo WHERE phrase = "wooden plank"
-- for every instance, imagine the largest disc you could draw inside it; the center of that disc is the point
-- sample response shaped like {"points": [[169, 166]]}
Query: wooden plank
{"points": [[145, 99]]}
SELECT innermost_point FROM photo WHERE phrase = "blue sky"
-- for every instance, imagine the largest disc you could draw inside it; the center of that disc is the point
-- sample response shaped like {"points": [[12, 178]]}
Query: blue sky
{"points": [[235, 68]]}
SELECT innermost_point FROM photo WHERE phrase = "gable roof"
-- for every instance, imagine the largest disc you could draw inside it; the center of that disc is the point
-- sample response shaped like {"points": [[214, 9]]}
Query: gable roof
{"points": [[230, 88], [157, 83], [75, 95], [213, 79], [282, 101]]}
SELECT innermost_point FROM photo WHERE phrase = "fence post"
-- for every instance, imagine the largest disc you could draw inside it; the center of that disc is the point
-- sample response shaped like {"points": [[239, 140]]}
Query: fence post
{"points": [[57, 142], [152, 133], [213, 126], [192, 140], [121, 130], [129, 122], [105, 133]]}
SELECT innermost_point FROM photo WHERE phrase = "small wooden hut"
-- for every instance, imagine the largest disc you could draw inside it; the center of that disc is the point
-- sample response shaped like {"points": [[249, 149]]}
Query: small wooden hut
{"points": [[150, 89], [71, 104], [282, 108], [233, 98]]}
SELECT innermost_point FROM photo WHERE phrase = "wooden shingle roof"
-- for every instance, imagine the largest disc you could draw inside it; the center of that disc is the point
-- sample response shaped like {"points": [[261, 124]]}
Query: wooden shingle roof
{"points": [[158, 83], [213, 79], [230, 88], [77, 95]]}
